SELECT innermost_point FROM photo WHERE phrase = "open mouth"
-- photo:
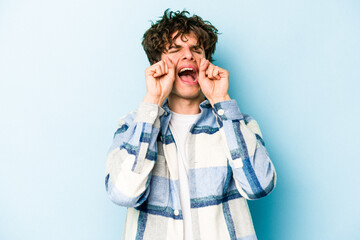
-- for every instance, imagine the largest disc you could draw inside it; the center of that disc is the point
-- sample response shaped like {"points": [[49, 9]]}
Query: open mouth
{"points": [[188, 75]]}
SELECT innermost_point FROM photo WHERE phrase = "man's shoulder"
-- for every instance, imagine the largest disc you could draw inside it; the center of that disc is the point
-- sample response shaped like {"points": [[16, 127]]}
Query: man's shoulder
{"points": [[247, 118]]}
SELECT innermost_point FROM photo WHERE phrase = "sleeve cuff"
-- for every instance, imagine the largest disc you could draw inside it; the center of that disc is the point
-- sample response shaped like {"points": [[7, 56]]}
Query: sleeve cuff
{"points": [[148, 112], [228, 110]]}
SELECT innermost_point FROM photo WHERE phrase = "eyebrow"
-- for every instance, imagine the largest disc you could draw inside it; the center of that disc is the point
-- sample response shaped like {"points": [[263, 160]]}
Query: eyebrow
{"points": [[195, 47], [174, 46]]}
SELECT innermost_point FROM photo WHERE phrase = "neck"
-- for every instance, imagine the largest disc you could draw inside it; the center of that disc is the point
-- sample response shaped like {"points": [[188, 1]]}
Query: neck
{"points": [[184, 106]]}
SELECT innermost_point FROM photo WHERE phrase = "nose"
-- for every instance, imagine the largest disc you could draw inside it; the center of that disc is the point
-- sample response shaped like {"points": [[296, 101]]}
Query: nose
{"points": [[187, 54]]}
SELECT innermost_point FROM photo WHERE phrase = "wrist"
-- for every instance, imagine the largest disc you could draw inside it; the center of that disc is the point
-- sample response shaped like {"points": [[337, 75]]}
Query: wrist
{"points": [[219, 99], [154, 99]]}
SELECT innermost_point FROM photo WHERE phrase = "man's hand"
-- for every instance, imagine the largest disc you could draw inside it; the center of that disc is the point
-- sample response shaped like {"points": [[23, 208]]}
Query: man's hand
{"points": [[160, 79], [213, 81]]}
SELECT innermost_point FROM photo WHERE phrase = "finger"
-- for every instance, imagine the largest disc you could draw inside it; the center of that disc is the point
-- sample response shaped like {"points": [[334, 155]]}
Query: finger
{"points": [[203, 67], [162, 66], [209, 71], [169, 63], [152, 70], [216, 73], [169, 67], [166, 67], [175, 63], [158, 72], [223, 73], [172, 66]]}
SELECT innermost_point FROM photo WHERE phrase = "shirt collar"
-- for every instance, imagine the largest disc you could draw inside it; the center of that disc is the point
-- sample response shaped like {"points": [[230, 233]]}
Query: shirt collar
{"points": [[165, 118]]}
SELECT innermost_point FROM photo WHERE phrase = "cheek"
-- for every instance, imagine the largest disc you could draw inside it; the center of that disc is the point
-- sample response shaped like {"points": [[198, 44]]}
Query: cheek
{"points": [[174, 57]]}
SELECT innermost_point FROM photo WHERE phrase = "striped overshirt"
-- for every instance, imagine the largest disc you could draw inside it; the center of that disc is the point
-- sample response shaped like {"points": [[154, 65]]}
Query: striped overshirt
{"points": [[228, 164]]}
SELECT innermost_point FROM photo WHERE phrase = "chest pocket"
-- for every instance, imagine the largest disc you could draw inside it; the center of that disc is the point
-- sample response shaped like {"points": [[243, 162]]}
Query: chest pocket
{"points": [[208, 150], [216, 157]]}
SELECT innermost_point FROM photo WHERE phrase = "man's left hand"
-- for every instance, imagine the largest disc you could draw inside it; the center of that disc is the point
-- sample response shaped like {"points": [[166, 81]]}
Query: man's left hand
{"points": [[213, 81]]}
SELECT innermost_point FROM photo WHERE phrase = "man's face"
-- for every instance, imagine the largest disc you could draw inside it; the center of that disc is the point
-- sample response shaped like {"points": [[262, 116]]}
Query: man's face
{"points": [[186, 54]]}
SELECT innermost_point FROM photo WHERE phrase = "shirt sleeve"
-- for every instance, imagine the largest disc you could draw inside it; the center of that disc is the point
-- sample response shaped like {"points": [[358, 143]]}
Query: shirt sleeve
{"points": [[132, 156], [253, 171]]}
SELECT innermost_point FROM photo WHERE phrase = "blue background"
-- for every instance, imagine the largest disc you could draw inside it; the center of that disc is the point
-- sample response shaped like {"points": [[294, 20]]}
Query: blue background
{"points": [[70, 69]]}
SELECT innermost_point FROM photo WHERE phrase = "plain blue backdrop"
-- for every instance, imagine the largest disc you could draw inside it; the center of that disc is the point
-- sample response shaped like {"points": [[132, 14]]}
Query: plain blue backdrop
{"points": [[70, 69]]}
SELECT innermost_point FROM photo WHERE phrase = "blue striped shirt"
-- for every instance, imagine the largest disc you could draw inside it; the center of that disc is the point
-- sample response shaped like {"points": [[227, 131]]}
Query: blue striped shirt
{"points": [[228, 164]]}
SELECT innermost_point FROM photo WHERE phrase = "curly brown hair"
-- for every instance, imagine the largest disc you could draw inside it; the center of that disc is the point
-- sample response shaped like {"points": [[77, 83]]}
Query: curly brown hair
{"points": [[160, 34]]}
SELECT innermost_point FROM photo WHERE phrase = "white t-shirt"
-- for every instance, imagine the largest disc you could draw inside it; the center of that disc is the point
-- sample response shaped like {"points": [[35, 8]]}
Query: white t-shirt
{"points": [[180, 125]]}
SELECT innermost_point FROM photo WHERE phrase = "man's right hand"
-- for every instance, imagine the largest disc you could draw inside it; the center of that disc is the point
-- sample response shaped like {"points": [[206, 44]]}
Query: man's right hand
{"points": [[160, 79]]}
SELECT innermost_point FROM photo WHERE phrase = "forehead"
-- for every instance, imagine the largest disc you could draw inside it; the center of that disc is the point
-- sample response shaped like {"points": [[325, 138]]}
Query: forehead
{"points": [[189, 38]]}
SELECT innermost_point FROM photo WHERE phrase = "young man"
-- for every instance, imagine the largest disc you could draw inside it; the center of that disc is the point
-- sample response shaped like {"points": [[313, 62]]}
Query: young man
{"points": [[186, 161]]}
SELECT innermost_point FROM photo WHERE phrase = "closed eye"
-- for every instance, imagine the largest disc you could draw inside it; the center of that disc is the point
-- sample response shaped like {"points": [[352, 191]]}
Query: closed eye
{"points": [[198, 50], [173, 49]]}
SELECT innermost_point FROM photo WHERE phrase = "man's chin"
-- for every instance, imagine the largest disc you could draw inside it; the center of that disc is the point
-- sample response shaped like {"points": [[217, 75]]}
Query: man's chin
{"points": [[187, 96]]}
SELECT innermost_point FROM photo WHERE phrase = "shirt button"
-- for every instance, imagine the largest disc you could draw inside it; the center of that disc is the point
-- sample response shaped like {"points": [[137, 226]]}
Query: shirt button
{"points": [[221, 112], [176, 212], [153, 114]]}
